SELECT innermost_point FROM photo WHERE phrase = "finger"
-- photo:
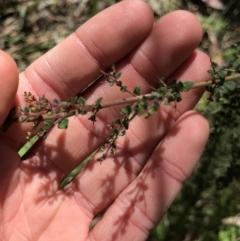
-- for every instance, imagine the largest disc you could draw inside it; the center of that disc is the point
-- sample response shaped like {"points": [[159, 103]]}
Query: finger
{"points": [[8, 159], [74, 63], [114, 174], [143, 203], [8, 83], [82, 136]]}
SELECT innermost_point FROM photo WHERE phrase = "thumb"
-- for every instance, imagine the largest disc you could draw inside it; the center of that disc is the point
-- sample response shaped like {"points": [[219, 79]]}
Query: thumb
{"points": [[8, 84]]}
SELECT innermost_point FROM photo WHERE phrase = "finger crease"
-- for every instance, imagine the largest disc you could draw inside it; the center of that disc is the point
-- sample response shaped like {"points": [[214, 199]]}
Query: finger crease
{"points": [[172, 170], [88, 50]]}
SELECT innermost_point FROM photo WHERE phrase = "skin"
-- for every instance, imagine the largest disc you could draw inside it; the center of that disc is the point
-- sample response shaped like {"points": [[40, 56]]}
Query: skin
{"points": [[135, 187]]}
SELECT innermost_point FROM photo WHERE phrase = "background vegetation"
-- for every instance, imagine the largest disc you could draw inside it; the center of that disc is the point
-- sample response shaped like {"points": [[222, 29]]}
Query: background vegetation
{"points": [[208, 207]]}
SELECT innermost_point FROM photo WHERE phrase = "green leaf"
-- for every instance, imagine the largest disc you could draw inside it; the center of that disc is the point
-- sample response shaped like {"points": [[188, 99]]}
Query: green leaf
{"points": [[49, 113], [187, 85], [113, 68], [121, 133], [231, 85], [123, 88], [126, 110], [43, 99], [112, 151], [73, 100], [137, 90], [26, 109], [32, 109], [152, 110], [64, 103], [98, 103], [118, 75], [211, 72], [141, 105], [125, 123], [117, 121], [22, 119], [159, 93], [222, 74], [166, 103], [81, 101], [83, 111], [111, 83], [214, 65], [170, 97], [178, 97], [179, 86], [63, 124], [48, 124]]}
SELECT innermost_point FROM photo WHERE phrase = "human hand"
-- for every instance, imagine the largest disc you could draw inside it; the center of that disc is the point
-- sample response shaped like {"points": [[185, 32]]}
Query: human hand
{"points": [[137, 185]]}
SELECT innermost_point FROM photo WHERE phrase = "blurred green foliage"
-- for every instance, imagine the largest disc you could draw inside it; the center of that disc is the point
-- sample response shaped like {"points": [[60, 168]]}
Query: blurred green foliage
{"points": [[212, 194]]}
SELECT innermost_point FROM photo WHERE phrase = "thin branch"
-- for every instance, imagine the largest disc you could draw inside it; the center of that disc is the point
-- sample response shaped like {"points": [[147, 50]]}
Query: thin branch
{"points": [[34, 117], [210, 82]]}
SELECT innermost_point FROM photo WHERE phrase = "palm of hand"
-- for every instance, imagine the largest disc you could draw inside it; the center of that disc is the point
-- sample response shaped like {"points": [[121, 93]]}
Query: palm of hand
{"points": [[33, 207], [136, 186]]}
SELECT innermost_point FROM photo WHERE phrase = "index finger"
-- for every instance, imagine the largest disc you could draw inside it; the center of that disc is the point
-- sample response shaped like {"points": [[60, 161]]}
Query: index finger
{"points": [[73, 64]]}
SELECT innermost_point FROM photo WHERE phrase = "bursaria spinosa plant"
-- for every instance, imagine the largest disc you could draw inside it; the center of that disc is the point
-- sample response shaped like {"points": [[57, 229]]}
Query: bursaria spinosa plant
{"points": [[44, 114]]}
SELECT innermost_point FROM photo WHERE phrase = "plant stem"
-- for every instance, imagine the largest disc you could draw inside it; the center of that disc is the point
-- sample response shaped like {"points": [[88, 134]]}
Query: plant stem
{"points": [[76, 170], [32, 117], [36, 117], [28, 145], [210, 82]]}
